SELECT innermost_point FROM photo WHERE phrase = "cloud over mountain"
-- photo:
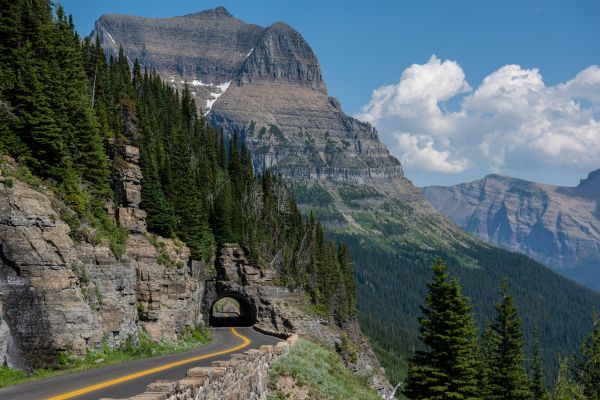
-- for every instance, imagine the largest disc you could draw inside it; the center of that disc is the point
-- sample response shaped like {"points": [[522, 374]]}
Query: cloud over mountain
{"points": [[435, 121]]}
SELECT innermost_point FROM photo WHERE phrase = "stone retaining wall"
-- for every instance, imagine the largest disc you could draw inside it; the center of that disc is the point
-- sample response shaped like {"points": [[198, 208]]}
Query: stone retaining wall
{"points": [[242, 377]]}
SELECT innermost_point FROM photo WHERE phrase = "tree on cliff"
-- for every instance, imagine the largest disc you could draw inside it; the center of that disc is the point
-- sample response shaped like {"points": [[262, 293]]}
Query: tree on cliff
{"points": [[447, 368]]}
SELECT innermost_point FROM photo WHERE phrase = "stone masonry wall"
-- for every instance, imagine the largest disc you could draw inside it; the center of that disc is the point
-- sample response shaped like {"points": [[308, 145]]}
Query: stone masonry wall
{"points": [[244, 376]]}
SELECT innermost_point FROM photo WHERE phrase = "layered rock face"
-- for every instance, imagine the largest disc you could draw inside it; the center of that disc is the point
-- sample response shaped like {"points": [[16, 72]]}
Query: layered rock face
{"points": [[264, 82], [57, 295], [559, 226], [270, 89]]}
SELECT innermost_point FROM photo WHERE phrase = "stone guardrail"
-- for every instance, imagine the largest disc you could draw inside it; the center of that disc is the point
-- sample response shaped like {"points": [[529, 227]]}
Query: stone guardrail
{"points": [[243, 376]]}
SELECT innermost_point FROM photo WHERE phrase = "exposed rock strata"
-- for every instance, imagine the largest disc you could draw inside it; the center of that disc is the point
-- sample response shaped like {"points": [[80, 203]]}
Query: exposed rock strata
{"points": [[61, 296], [558, 226], [278, 101]]}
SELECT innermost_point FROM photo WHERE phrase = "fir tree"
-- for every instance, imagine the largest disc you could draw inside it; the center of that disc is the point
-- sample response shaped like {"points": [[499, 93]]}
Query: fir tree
{"points": [[538, 387], [447, 369], [508, 380], [590, 371]]}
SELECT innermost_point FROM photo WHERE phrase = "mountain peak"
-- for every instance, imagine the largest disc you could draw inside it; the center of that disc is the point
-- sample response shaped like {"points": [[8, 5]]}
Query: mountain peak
{"points": [[592, 178], [283, 56], [218, 12], [280, 26]]}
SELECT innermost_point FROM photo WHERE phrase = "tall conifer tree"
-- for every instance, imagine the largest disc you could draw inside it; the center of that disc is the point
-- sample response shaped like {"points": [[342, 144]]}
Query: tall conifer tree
{"points": [[590, 372], [538, 387], [447, 368], [508, 380]]}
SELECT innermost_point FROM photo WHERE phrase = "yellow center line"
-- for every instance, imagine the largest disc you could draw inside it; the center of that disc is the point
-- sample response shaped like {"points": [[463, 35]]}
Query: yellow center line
{"points": [[102, 385]]}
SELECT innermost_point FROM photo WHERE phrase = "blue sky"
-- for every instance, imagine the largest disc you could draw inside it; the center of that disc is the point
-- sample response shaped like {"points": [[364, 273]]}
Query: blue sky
{"points": [[363, 46]]}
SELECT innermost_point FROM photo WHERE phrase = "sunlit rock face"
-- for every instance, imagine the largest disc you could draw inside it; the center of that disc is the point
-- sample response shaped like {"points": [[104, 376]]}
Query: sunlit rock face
{"points": [[266, 83], [559, 226]]}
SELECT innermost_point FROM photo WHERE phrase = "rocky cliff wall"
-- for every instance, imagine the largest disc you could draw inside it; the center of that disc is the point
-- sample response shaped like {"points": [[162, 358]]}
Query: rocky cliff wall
{"points": [[278, 311], [59, 295], [242, 377]]}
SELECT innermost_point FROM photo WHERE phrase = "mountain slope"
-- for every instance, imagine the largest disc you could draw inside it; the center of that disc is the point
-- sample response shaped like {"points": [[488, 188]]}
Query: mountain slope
{"points": [[341, 172], [558, 226]]}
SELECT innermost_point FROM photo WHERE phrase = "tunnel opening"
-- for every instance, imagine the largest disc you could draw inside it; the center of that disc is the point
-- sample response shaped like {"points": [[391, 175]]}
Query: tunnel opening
{"points": [[231, 310]]}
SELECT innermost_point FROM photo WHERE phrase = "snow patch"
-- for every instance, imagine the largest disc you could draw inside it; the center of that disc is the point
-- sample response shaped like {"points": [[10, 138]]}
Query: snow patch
{"points": [[222, 87], [250, 52], [110, 37], [196, 82]]}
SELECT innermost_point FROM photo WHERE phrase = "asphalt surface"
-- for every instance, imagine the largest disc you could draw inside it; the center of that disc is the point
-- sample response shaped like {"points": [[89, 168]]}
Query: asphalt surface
{"points": [[131, 378]]}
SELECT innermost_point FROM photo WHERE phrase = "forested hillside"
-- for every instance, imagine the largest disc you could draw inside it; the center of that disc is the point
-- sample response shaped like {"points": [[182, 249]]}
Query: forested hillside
{"points": [[65, 109], [456, 361], [560, 309]]}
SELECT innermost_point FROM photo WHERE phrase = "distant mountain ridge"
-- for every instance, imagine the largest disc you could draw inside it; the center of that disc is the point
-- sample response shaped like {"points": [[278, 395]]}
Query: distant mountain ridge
{"points": [[558, 226]]}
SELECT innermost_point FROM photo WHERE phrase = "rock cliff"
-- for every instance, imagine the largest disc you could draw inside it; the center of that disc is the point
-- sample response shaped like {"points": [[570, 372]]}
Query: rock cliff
{"points": [[270, 89], [559, 226], [59, 295], [275, 309]]}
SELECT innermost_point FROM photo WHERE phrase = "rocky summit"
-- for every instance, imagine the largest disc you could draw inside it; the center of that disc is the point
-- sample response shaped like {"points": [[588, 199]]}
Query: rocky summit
{"points": [[266, 83], [559, 226]]}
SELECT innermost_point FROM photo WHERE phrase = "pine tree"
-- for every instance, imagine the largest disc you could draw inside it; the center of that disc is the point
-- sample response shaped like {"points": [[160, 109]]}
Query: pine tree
{"points": [[538, 387], [447, 369], [74, 113], [486, 344], [508, 380], [590, 371]]}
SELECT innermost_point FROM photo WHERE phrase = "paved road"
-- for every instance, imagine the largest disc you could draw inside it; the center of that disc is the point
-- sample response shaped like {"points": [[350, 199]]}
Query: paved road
{"points": [[131, 378]]}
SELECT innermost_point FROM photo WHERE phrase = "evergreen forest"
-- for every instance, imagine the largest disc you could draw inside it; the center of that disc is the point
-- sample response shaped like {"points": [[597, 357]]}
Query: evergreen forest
{"points": [[458, 362]]}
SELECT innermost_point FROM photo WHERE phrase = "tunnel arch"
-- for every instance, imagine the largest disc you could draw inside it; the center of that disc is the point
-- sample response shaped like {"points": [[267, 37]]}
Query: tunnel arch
{"points": [[246, 317]]}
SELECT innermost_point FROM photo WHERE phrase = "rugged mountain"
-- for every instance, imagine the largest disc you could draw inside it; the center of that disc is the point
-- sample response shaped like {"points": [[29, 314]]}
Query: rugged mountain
{"points": [[270, 89], [266, 83], [558, 226]]}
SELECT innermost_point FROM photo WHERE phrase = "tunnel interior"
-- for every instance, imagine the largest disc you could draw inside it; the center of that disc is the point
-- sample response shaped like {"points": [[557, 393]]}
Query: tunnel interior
{"points": [[231, 310]]}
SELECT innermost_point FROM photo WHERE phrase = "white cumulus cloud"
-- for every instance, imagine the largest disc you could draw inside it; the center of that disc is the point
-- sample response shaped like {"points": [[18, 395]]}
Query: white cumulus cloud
{"points": [[512, 118], [418, 151]]}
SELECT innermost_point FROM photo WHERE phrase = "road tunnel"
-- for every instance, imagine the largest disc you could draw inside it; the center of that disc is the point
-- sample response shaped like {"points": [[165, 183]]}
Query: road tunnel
{"points": [[231, 309]]}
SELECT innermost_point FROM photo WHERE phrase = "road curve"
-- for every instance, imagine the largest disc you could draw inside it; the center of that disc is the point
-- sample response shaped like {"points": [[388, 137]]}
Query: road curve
{"points": [[131, 378]]}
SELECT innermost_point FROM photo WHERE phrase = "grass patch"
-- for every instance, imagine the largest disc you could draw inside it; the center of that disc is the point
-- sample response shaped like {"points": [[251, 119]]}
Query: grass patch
{"points": [[133, 348], [164, 258], [313, 194], [322, 372]]}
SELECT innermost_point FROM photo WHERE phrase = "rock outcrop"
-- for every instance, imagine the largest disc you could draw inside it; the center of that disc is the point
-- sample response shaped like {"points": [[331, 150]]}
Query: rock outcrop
{"points": [[559, 226], [277, 310], [59, 296]]}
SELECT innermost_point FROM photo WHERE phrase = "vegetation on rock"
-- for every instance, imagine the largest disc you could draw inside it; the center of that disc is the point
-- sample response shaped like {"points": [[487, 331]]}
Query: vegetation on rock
{"points": [[311, 371]]}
